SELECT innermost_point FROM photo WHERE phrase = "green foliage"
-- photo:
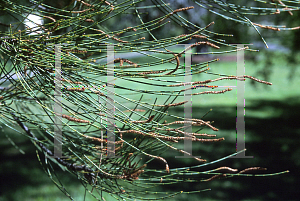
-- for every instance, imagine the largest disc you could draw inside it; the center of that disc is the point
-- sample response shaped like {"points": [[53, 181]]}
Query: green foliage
{"points": [[146, 83]]}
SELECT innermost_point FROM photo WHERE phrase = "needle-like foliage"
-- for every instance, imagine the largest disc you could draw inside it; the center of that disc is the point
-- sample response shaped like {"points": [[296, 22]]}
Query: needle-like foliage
{"points": [[132, 92]]}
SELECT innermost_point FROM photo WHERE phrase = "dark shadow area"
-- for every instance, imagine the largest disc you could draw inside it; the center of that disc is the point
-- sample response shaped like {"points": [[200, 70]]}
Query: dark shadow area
{"points": [[18, 171], [272, 133], [272, 140]]}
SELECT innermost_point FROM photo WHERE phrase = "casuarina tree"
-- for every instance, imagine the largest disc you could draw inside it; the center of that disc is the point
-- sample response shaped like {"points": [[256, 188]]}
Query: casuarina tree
{"points": [[91, 83]]}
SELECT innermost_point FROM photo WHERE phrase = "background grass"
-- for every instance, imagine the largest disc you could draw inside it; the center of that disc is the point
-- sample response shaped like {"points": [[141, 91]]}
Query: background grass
{"points": [[272, 132]]}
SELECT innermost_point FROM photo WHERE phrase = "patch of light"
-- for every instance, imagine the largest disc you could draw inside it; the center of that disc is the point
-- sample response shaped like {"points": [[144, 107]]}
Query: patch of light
{"points": [[32, 22]]}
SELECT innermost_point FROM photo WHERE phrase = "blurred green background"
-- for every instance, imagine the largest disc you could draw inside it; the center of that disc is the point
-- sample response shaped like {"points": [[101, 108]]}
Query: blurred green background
{"points": [[272, 132], [272, 128]]}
